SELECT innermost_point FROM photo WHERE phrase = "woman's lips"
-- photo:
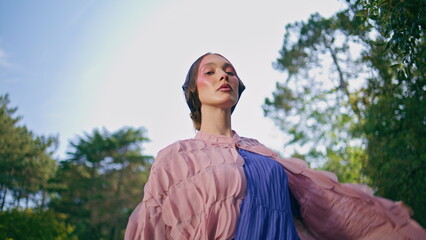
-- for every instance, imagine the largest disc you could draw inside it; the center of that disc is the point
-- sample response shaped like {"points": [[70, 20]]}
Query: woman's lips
{"points": [[225, 88]]}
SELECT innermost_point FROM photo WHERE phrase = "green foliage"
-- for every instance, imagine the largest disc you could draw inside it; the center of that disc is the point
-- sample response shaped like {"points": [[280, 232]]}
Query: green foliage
{"points": [[26, 164], [401, 22], [102, 182], [347, 164], [396, 132], [395, 123], [34, 225]]}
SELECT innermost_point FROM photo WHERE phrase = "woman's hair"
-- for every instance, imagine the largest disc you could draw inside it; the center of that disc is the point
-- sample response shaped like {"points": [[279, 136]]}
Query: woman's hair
{"points": [[191, 92]]}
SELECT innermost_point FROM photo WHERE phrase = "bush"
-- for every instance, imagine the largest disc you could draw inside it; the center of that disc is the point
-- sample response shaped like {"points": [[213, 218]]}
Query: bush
{"points": [[32, 224]]}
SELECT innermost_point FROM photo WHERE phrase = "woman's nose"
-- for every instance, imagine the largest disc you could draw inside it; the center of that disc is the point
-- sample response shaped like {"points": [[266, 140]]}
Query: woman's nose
{"points": [[224, 76]]}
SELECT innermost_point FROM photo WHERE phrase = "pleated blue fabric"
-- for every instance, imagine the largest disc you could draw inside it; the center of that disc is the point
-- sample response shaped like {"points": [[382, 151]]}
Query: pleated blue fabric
{"points": [[266, 210]]}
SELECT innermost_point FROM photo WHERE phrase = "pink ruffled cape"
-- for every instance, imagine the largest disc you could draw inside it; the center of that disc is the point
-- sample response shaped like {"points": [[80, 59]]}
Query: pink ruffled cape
{"points": [[196, 187]]}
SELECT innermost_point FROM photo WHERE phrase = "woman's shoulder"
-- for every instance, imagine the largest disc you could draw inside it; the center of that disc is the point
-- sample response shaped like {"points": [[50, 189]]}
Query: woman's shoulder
{"points": [[178, 148]]}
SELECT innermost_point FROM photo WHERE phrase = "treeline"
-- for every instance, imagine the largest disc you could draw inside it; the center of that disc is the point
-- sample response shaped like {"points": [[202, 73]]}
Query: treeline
{"points": [[355, 96], [89, 195]]}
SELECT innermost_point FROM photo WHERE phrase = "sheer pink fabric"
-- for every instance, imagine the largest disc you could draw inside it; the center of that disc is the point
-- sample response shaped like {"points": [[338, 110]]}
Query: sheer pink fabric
{"points": [[196, 187]]}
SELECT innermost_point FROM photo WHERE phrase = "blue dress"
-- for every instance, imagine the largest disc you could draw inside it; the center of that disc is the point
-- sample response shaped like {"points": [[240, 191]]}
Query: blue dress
{"points": [[266, 209]]}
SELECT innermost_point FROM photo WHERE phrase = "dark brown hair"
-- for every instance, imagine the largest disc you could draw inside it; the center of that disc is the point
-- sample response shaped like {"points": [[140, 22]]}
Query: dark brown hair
{"points": [[191, 92]]}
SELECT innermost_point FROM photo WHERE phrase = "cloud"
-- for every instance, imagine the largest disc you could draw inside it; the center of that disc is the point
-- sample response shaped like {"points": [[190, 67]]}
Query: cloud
{"points": [[3, 59]]}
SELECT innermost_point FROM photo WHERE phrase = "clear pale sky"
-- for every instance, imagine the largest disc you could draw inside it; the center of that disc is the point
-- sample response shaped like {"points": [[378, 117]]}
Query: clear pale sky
{"points": [[74, 65]]}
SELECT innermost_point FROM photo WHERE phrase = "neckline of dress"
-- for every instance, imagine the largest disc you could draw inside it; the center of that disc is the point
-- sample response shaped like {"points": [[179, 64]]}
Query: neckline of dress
{"points": [[213, 138]]}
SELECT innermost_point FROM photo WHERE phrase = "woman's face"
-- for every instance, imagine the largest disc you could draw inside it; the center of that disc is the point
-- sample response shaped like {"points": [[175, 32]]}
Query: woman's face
{"points": [[217, 82]]}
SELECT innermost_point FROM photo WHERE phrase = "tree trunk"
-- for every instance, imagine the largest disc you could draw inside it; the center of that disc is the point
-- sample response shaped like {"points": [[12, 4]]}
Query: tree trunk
{"points": [[18, 199], [3, 196], [343, 84], [43, 199]]}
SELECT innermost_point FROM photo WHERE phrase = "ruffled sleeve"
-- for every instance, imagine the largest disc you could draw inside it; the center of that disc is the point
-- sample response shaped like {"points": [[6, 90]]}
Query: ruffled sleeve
{"points": [[146, 221], [331, 210]]}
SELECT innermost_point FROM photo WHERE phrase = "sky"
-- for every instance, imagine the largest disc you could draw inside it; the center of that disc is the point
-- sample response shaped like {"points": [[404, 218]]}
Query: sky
{"points": [[74, 65]]}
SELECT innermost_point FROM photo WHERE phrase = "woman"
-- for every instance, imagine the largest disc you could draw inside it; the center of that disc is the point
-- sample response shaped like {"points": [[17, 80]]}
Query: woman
{"points": [[219, 185]]}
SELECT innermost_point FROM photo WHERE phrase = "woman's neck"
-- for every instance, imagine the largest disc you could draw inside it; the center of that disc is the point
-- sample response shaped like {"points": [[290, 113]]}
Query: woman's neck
{"points": [[216, 121]]}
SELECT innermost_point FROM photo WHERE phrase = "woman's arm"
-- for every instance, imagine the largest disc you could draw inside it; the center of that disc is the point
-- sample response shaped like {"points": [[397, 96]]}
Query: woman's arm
{"points": [[146, 221], [331, 210]]}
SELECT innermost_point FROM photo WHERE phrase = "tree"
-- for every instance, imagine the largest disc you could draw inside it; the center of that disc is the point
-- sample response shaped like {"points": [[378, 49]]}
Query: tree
{"points": [[102, 182], [26, 163], [370, 112], [319, 103]]}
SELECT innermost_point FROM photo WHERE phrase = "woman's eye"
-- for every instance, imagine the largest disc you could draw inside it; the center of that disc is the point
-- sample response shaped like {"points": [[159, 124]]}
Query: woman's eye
{"points": [[209, 72], [231, 73]]}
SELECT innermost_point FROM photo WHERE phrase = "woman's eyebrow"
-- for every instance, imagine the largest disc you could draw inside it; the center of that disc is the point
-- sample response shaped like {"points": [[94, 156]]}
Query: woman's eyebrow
{"points": [[207, 64], [228, 65]]}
